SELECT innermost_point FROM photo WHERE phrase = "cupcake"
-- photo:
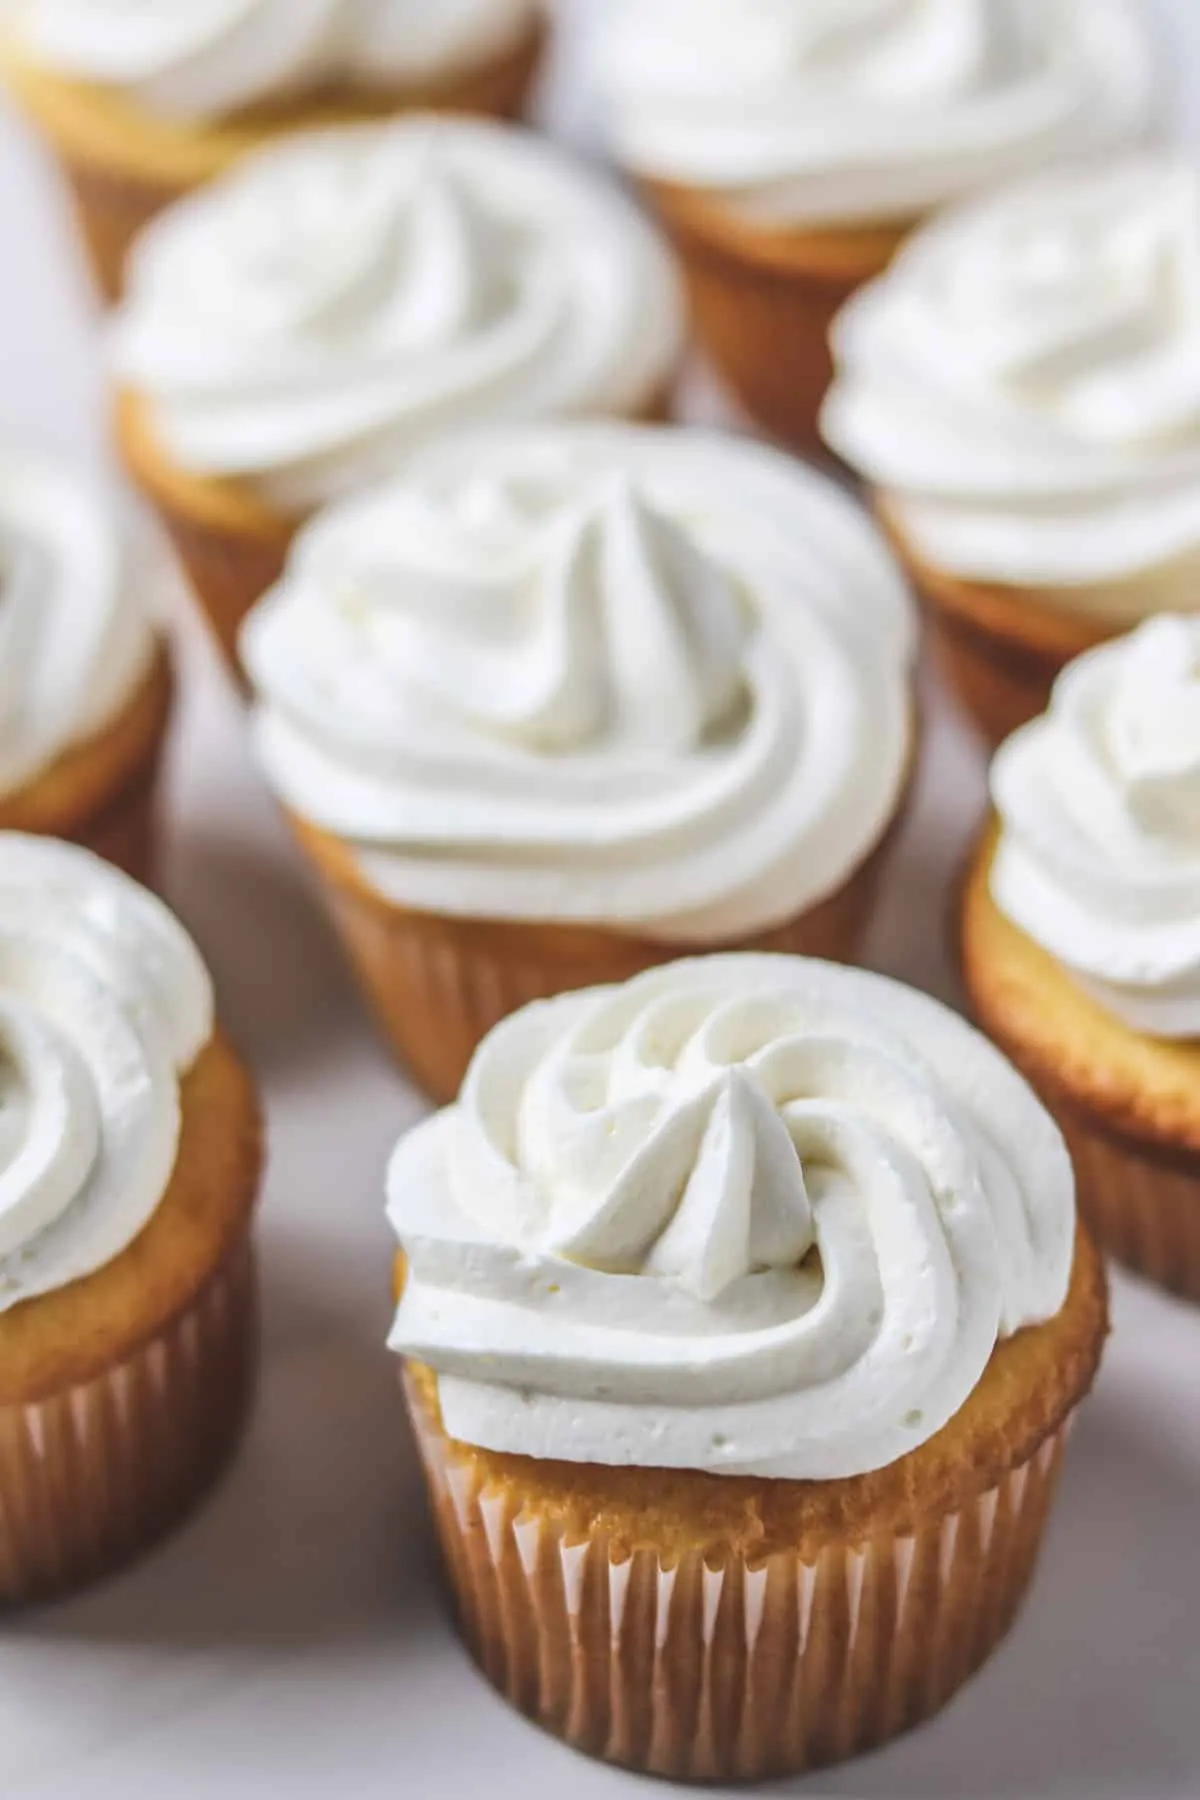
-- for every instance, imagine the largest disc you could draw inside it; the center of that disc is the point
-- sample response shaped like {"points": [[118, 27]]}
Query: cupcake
{"points": [[1016, 392], [141, 104], [1081, 935], [129, 1161], [85, 688], [790, 145], [333, 305], [745, 1314], [559, 702]]}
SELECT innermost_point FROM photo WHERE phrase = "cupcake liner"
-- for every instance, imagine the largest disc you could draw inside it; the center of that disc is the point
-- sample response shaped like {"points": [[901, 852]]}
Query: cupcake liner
{"points": [[438, 984], [92, 1474], [763, 305], [743, 1670], [1000, 650], [229, 570], [1143, 1210], [126, 832], [115, 196]]}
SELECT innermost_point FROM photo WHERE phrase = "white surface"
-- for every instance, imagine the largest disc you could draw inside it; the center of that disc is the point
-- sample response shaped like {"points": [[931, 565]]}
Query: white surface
{"points": [[291, 1640]]}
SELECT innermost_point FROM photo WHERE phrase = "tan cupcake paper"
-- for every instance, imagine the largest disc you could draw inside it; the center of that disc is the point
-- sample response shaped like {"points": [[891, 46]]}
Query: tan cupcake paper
{"points": [[128, 1328], [89, 692], [1039, 496], [559, 702], [482, 278], [702, 1622], [763, 301], [123, 162], [791, 149], [1081, 936]]}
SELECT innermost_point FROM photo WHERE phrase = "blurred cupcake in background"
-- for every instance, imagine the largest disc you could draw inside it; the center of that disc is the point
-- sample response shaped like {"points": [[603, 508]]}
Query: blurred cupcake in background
{"points": [[141, 103], [129, 1166], [558, 703], [85, 679], [307, 323], [745, 1315], [790, 146], [1081, 935], [1022, 392]]}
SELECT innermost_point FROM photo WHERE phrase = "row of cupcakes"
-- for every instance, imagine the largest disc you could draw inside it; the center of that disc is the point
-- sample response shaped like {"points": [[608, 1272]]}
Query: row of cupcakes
{"points": [[561, 704]]}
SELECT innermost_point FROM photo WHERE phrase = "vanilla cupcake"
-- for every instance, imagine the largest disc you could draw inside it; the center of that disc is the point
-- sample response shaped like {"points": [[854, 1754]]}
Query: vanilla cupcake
{"points": [[129, 1158], [559, 702], [1081, 935], [790, 145], [1017, 392], [745, 1314], [334, 305], [142, 103], [85, 682]]}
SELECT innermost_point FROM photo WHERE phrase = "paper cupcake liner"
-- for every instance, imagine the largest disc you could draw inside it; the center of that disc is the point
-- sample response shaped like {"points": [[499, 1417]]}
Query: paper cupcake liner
{"points": [[126, 832], [999, 650], [228, 570], [741, 1671], [438, 984], [110, 210], [1143, 1212], [93, 1474], [762, 307]]}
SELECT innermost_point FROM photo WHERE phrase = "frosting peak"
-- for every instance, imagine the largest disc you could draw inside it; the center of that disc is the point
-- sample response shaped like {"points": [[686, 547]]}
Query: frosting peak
{"points": [[336, 302], [814, 111], [619, 676], [1023, 386], [748, 1214], [104, 1005], [1099, 800]]}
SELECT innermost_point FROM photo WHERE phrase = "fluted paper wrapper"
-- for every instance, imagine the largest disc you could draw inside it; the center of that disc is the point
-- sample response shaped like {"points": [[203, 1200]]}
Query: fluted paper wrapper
{"points": [[93, 1474], [438, 985], [228, 570], [741, 1671], [1143, 1212], [126, 832]]}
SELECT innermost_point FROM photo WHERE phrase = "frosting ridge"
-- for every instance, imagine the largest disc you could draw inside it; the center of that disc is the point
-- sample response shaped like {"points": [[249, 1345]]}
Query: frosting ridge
{"points": [[198, 59], [608, 674], [104, 1005], [804, 112], [754, 1215], [75, 640], [337, 301], [1099, 802], [1021, 386]]}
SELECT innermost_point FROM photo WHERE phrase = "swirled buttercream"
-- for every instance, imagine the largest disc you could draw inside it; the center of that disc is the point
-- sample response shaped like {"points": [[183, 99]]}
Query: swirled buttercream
{"points": [[338, 301], [1099, 801], [748, 1214], [1024, 387], [199, 59], [606, 674], [104, 1004], [75, 639], [804, 112]]}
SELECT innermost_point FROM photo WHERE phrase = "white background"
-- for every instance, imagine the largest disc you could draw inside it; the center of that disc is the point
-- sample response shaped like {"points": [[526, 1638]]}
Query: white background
{"points": [[291, 1639]]}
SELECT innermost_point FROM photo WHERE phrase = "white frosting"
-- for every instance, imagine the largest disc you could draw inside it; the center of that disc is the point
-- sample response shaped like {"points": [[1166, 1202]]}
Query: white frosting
{"points": [[200, 59], [1099, 856], [75, 638], [104, 1004], [627, 676], [748, 1214], [803, 112], [1024, 386], [337, 301]]}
